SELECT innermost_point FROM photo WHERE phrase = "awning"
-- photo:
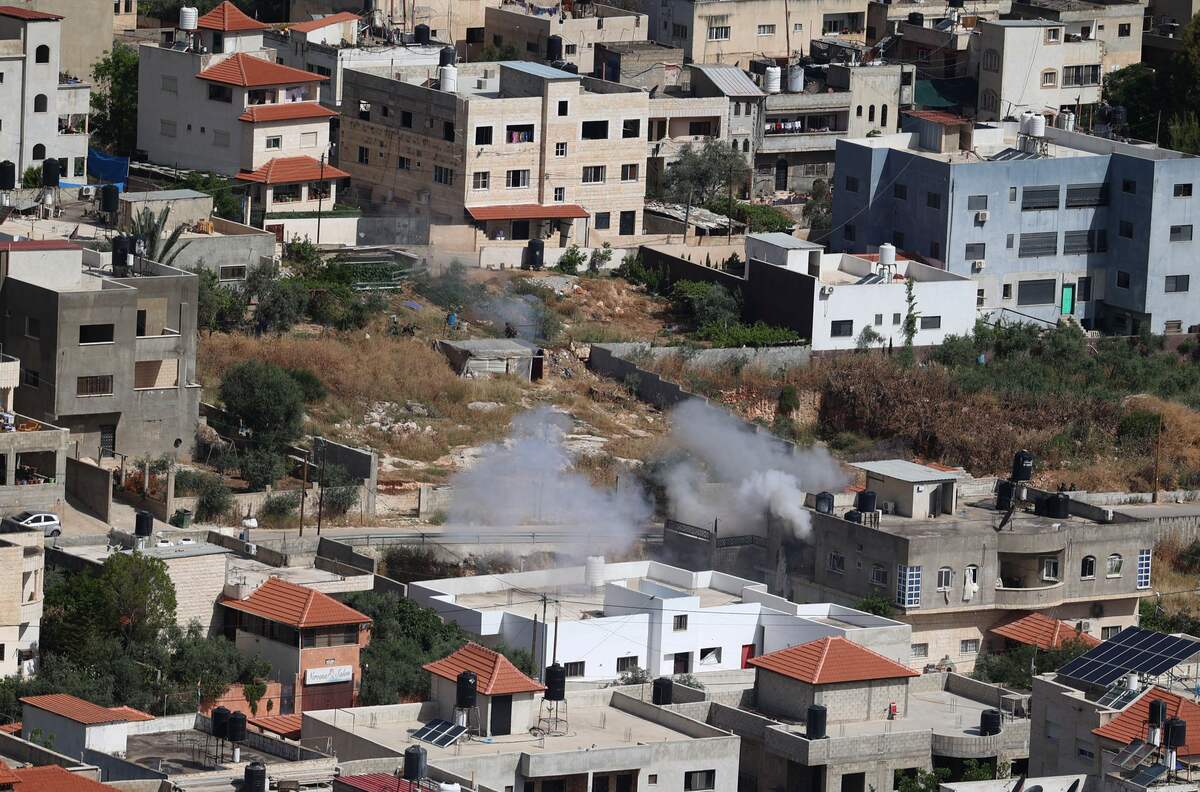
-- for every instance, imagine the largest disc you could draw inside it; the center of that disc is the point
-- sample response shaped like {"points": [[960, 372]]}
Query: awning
{"points": [[945, 93], [527, 212]]}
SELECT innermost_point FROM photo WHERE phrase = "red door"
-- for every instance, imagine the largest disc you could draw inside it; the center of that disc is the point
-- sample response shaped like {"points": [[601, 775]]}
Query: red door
{"points": [[747, 653]]}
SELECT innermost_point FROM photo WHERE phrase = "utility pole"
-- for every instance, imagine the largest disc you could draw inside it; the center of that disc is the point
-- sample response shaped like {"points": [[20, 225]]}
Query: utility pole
{"points": [[541, 660], [320, 197], [304, 489], [321, 497], [1157, 457]]}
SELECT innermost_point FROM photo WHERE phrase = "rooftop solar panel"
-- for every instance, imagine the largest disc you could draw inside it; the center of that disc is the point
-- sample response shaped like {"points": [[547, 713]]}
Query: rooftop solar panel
{"points": [[431, 729], [1131, 650], [1133, 755], [449, 737], [1148, 775]]}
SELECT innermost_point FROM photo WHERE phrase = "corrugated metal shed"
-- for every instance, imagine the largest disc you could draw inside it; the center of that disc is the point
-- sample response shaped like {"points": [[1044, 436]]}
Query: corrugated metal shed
{"points": [[729, 80], [901, 470]]}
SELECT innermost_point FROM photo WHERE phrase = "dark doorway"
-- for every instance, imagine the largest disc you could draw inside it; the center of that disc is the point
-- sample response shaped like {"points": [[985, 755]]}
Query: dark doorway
{"points": [[520, 229], [683, 663], [854, 782], [501, 717], [624, 783], [781, 176], [108, 439], [536, 368], [804, 778], [626, 223]]}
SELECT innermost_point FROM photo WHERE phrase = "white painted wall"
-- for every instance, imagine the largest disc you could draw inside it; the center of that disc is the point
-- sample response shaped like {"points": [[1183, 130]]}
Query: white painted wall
{"points": [[284, 659], [69, 737]]}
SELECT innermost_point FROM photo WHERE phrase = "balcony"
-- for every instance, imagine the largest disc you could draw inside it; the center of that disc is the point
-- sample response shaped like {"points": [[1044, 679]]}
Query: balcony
{"points": [[10, 372], [784, 142], [1032, 597], [169, 344]]}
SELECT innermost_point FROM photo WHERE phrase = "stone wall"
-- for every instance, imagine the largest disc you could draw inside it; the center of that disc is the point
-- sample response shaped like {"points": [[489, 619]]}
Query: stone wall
{"points": [[91, 486]]}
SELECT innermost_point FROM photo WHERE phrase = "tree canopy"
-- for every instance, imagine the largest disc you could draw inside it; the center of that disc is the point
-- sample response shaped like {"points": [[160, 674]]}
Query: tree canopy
{"points": [[266, 399], [114, 100], [701, 175]]}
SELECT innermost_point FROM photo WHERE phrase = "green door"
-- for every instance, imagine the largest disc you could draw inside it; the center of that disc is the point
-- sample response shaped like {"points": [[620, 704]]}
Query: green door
{"points": [[1068, 299]]}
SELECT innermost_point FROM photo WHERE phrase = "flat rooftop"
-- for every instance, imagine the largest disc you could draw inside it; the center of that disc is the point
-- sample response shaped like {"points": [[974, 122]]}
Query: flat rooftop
{"points": [[75, 226], [585, 603], [187, 751], [976, 518], [485, 79]]}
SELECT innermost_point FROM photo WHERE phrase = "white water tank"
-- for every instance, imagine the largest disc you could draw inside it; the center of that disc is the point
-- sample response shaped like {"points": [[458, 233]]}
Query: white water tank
{"points": [[593, 572], [1023, 124], [444, 787], [1070, 125], [795, 79], [771, 80], [448, 79], [189, 16], [887, 257], [1037, 125]]}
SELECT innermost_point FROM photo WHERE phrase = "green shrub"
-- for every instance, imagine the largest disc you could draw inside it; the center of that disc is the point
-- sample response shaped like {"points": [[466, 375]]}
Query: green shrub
{"points": [[283, 504], [737, 334], [188, 482], [261, 467], [341, 491], [571, 260], [310, 385], [214, 499]]}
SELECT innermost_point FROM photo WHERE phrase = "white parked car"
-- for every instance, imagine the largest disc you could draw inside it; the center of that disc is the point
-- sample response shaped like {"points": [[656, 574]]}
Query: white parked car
{"points": [[49, 523]]}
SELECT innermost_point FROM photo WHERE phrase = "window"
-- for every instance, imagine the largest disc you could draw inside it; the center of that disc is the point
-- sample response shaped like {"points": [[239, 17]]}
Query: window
{"points": [[697, 780], [700, 128], [1075, 242], [631, 128], [96, 334], [1183, 190], [574, 669], [481, 180], [41, 54], [625, 664], [1108, 633], [836, 562], [766, 30], [1087, 567], [1083, 289], [931, 322], [403, 163], [1085, 752], [364, 155], [274, 142], [976, 251], [518, 133], [841, 328], [919, 650], [1142, 579], [170, 84], [560, 194], [1036, 292], [977, 203], [220, 93], [900, 191], [849, 232], [564, 107], [80, 165], [1050, 569], [879, 575], [1040, 243], [933, 200], [329, 636], [99, 385], [908, 586], [852, 183], [1081, 75], [1006, 291], [1123, 30], [560, 149], [944, 577], [1129, 186], [652, 779], [678, 31], [878, 320], [710, 656], [679, 624], [483, 136], [979, 298], [406, 119], [307, 139], [895, 318], [532, 46], [991, 60], [33, 327], [569, 49], [594, 130], [517, 179], [593, 174], [1181, 233], [448, 131], [1049, 78], [627, 221], [1177, 283], [1034, 198], [165, 128], [232, 272], [1122, 279], [1081, 195], [1113, 568], [629, 172], [602, 221], [443, 175], [968, 646], [32, 378], [971, 575], [718, 28], [1053, 35]]}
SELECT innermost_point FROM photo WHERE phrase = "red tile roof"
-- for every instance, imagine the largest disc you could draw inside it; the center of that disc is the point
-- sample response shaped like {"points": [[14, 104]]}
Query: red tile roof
{"points": [[279, 601], [1038, 629], [7, 776], [317, 24], [526, 212], [1131, 723], [283, 725], [251, 72], [495, 675], [829, 660], [938, 117], [75, 709], [11, 728], [131, 714], [28, 14], [292, 111], [40, 244], [228, 18], [52, 778], [287, 170], [372, 782]]}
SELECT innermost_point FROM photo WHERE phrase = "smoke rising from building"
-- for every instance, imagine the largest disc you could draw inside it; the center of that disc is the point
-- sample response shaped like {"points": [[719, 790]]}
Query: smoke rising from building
{"points": [[732, 469]]}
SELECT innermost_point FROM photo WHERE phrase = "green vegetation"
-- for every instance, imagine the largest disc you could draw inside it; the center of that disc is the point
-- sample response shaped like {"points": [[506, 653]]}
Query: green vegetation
{"points": [[702, 175], [818, 212], [279, 506], [877, 604], [264, 399], [760, 218], [218, 308], [340, 491], [570, 261], [115, 100], [150, 228], [227, 203], [1017, 667], [32, 178], [737, 334]]}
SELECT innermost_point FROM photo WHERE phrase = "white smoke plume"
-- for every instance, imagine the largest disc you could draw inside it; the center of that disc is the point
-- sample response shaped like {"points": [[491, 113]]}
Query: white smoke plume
{"points": [[522, 311], [528, 480], [761, 473]]}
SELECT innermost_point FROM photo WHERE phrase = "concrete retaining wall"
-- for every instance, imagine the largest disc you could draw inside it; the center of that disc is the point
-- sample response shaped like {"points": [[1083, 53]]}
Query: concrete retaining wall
{"points": [[360, 464], [432, 499], [113, 768], [91, 487]]}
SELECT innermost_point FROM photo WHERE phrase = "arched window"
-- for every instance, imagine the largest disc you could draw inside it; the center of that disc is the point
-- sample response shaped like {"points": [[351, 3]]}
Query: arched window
{"points": [[1087, 567], [991, 60], [871, 114], [39, 152], [1114, 565], [858, 111], [733, 143], [41, 54], [991, 101], [883, 116], [40, 103], [746, 145], [945, 576]]}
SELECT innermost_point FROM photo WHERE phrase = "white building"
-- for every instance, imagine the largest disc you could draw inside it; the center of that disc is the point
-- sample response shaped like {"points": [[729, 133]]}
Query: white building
{"points": [[606, 619], [43, 114], [1035, 64], [69, 724]]}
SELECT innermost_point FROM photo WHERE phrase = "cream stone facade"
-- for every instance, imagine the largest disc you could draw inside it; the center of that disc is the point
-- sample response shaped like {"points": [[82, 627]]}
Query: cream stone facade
{"points": [[20, 598], [1033, 64], [577, 31]]}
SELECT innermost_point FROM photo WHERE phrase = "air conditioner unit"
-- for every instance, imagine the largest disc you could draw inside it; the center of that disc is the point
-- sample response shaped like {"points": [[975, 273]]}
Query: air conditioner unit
{"points": [[826, 291], [1084, 626], [977, 265], [889, 507], [981, 217], [86, 192], [251, 549]]}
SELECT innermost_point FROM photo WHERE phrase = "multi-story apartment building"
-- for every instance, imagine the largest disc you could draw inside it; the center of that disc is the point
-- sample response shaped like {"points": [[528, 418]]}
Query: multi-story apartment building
{"points": [[511, 150], [884, 18], [125, 13], [111, 356], [566, 37], [45, 111], [448, 20], [1035, 64], [87, 31], [21, 597], [217, 100], [1116, 25], [1063, 224]]}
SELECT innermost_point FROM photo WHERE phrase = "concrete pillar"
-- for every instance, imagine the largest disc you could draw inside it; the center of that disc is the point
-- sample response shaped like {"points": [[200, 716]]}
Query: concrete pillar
{"points": [[60, 465], [10, 468]]}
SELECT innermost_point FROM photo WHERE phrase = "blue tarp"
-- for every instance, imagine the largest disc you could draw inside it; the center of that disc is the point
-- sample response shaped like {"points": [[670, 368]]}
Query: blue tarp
{"points": [[107, 168]]}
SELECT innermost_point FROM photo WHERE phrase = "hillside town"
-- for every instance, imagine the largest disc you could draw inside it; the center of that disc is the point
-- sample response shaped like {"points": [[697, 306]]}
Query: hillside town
{"points": [[811, 402]]}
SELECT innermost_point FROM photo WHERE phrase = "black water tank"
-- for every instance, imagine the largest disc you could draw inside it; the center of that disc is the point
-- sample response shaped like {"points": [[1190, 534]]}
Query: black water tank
{"points": [[256, 778], [143, 523], [1022, 467], [120, 252], [554, 48], [955, 3], [50, 172], [824, 502], [662, 691], [414, 763], [989, 722], [220, 723], [421, 34], [237, 727], [1059, 506], [1158, 712], [535, 254], [109, 198], [446, 57], [854, 516], [1004, 494], [915, 18], [815, 725], [556, 682], [464, 694], [865, 501], [1176, 733], [8, 175], [571, 67]]}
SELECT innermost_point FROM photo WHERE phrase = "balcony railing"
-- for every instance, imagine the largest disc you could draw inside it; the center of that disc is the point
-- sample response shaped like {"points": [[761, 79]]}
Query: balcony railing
{"points": [[1031, 597]]}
